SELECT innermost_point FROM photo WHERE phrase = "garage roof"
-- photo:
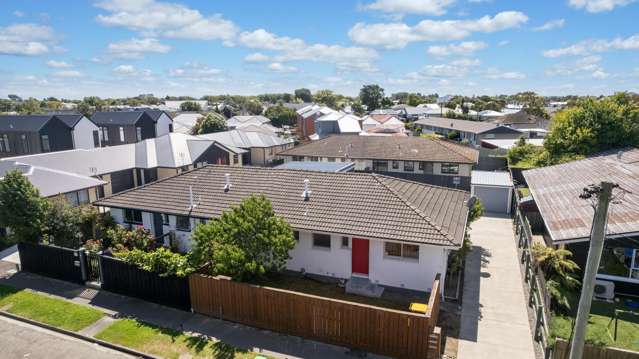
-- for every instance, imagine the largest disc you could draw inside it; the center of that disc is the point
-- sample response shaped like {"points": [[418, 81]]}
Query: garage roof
{"points": [[488, 178]]}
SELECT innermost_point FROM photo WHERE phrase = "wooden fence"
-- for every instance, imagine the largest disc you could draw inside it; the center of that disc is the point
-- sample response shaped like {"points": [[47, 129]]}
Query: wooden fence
{"points": [[51, 261], [373, 329], [562, 351], [127, 279]]}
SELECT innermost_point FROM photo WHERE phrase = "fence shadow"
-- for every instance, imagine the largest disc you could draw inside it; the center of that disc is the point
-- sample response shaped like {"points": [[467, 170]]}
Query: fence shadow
{"points": [[471, 308]]}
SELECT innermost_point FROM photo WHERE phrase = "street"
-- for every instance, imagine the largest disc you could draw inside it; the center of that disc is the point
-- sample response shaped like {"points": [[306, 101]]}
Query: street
{"points": [[20, 340]]}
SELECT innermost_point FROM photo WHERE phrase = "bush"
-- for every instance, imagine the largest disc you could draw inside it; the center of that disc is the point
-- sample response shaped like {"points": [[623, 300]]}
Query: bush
{"points": [[161, 261], [21, 207], [121, 239], [559, 272], [453, 135]]}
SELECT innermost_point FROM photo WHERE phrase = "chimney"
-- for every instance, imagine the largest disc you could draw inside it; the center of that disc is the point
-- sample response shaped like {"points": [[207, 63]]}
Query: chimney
{"points": [[227, 185], [307, 190]]}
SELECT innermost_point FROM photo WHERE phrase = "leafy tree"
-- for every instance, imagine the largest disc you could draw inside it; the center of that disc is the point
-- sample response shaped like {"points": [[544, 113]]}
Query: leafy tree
{"points": [[533, 104], [358, 109], [559, 271], [304, 94], [212, 122], [254, 108], [21, 207], [30, 106], [61, 224], [190, 106], [453, 135], [371, 96], [246, 243], [121, 239], [326, 97], [386, 102], [415, 99], [280, 115], [161, 261]]}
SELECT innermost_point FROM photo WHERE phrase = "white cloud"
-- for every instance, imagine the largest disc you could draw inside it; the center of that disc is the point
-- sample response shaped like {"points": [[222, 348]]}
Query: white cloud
{"points": [[424, 7], [136, 48], [598, 5], [67, 74], [551, 25], [262, 39], [466, 62], [600, 75], [497, 74], [155, 18], [195, 71], [279, 67], [58, 64], [462, 48], [256, 57], [131, 71], [18, 13], [594, 46], [586, 67], [398, 35], [26, 39]]}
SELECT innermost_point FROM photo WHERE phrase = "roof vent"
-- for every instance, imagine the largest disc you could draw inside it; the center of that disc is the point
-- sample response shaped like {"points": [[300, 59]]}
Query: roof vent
{"points": [[227, 185], [307, 190]]}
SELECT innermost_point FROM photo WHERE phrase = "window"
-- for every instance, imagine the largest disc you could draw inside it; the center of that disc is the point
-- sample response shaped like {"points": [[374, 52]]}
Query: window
{"points": [[344, 242], [104, 134], [298, 158], [170, 127], [409, 166], [2, 145], [132, 216], [138, 133], [421, 167], [296, 236], [380, 166], [331, 159], [46, 146], [183, 223], [620, 262], [5, 139], [165, 219], [321, 240], [490, 135], [25, 143], [72, 198], [401, 250], [450, 168], [83, 197], [121, 134], [315, 159], [395, 165], [236, 159], [270, 151]]}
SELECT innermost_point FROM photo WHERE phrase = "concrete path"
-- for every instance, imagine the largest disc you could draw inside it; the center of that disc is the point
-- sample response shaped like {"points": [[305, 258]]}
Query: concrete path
{"points": [[260, 341], [494, 320], [20, 340], [10, 255]]}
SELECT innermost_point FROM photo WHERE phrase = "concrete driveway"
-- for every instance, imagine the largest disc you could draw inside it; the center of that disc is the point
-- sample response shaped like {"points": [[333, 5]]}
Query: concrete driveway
{"points": [[494, 320]]}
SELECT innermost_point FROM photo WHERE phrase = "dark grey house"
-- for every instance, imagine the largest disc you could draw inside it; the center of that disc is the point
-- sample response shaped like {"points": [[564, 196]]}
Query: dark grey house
{"points": [[122, 127], [30, 134]]}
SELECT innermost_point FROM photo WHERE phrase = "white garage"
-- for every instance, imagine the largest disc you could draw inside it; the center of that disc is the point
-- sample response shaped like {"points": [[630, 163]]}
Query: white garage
{"points": [[494, 190]]}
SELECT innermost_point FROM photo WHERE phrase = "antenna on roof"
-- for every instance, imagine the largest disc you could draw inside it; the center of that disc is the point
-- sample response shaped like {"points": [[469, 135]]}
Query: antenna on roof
{"points": [[192, 203], [227, 186], [307, 190]]}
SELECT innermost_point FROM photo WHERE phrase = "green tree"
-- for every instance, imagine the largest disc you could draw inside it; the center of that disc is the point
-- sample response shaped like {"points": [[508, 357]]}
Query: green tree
{"points": [[371, 96], [190, 106], [61, 224], [212, 122], [254, 108], [326, 97], [358, 109], [246, 243], [30, 106], [304, 94], [386, 102], [453, 135], [21, 207], [559, 271], [280, 115]]}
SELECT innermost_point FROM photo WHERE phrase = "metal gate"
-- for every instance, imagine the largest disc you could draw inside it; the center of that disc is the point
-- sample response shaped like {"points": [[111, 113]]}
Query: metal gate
{"points": [[92, 260]]}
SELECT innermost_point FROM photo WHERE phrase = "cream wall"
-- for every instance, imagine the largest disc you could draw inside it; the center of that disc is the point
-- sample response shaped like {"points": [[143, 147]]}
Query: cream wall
{"points": [[83, 134]]}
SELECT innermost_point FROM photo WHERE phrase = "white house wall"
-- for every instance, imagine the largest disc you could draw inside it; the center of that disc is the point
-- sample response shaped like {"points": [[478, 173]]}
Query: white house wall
{"points": [[163, 124], [83, 134], [333, 262]]}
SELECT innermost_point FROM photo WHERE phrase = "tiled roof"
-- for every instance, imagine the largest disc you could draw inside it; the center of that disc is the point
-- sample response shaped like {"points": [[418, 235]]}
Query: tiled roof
{"points": [[459, 125], [387, 147], [520, 117], [556, 191], [355, 204]]}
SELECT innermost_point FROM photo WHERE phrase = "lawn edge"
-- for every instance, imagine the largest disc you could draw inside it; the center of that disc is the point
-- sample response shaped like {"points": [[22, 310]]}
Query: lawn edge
{"points": [[123, 349]]}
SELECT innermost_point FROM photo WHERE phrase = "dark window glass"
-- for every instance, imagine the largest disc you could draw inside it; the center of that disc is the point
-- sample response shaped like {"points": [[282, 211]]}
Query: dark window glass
{"points": [[344, 242], [132, 216], [393, 249], [165, 219], [46, 146], [321, 240], [421, 166], [296, 235], [395, 165], [450, 168], [182, 223], [409, 166]]}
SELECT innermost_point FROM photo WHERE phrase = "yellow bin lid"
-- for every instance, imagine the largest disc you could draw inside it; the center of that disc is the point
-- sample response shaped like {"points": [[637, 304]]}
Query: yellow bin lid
{"points": [[418, 307]]}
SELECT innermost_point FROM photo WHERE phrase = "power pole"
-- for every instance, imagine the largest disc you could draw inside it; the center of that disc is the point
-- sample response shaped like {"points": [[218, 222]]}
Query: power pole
{"points": [[597, 236]]}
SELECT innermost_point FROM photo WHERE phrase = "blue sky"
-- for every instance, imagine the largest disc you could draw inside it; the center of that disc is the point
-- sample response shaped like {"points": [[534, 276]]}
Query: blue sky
{"points": [[114, 48]]}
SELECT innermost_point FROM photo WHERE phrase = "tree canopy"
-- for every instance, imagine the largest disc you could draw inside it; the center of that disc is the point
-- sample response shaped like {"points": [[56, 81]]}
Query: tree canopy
{"points": [[326, 97], [212, 122], [371, 96], [280, 115], [190, 106], [21, 207], [304, 95], [246, 243]]}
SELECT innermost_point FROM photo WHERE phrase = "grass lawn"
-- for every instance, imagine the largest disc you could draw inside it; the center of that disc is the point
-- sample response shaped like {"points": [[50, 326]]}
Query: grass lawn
{"points": [[166, 342], [601, 326], [56, 312]]}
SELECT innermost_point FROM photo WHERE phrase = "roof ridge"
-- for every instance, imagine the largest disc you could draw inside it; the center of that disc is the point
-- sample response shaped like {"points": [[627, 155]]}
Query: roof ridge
{"points": [[414, 208], [440, 142]]}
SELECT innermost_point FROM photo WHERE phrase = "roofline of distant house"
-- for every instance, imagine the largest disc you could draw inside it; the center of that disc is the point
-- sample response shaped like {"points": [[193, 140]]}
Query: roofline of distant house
{"points": [[376, 158]]}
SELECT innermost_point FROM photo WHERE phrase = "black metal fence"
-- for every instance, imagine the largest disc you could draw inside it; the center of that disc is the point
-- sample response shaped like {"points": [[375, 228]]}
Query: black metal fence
{"points": [[126, 279], [51, 261]]}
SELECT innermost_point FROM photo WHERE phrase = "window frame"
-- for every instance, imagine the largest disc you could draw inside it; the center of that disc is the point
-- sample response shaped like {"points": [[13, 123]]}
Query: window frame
{"points": [[395, 164], [321, 237], [131, 219], [403, 253], [121, 131], [46, 144], [421, 166], [180, 228], [138, 134], [412, 166], [165, 219], [25, 143], [348, 242], [296, 236], [447, 168], [5, 139]]}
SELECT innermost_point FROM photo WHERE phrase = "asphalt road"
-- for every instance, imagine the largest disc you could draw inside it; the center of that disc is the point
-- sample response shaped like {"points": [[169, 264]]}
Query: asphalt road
{"points": [[20, 340]]}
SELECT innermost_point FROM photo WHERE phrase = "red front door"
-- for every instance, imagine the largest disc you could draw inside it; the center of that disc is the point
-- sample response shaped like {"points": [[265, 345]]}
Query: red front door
{"points": [[360, 256]]}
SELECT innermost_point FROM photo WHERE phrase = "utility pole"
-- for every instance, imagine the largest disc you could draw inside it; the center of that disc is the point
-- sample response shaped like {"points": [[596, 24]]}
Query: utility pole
{"points": [[597, 235]]}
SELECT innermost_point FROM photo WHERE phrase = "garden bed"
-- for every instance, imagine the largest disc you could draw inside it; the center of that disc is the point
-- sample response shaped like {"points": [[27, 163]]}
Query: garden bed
{"points": [[601, 326]]}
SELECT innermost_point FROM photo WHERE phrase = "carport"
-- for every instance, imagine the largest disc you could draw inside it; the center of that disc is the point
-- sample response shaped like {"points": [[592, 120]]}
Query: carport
{"points": [[494, 190]]}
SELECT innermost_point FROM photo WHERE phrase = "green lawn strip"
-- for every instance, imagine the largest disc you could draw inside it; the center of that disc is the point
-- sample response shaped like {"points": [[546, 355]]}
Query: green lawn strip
{"points": [[167, 343], [601, 327], [41, 308]]}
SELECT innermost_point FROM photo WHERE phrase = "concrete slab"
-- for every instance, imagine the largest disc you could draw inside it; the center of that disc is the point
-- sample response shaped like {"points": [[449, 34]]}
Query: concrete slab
{"points": [[494, 319], [10, 255]]}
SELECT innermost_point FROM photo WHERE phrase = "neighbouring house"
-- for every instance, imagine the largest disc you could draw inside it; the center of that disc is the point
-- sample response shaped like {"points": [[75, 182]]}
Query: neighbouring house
{"points": [[184, 122], [501, 146], [136, 164], [473, 131], [261, 147], [77, 189], [122, 127], [306, 117], [494, 190], [336, 123], [568, 218], [239, 121], [521, 120], [30, 134], [386, 230], [488, 115], [425, 160], [318, 166], [296, 106], [372, 122]]}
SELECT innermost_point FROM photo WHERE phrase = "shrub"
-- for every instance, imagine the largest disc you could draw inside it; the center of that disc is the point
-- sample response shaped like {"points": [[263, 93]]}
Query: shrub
{"points": [[21, 207], [453, 135], [161, 261], [559, 271], [121, 239]]}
